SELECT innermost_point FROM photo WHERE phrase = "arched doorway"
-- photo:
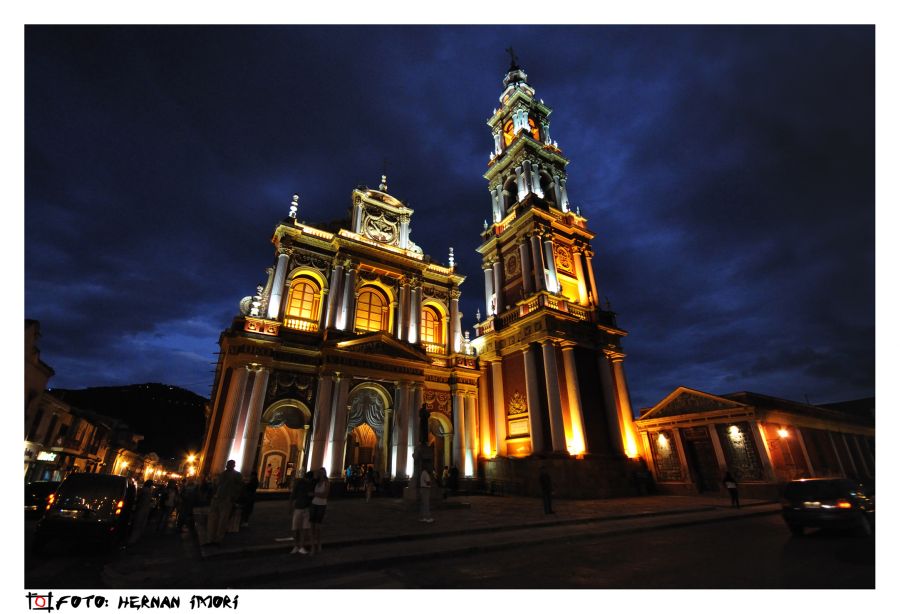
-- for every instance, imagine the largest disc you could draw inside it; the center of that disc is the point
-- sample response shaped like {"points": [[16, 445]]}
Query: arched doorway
{"points": [[367, 427], [440, 438], [284, 439]]}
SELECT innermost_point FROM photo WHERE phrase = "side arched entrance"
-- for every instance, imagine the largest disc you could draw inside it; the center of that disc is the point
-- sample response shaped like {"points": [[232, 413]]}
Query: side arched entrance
{"points": [[368, 426], [284, 441]]}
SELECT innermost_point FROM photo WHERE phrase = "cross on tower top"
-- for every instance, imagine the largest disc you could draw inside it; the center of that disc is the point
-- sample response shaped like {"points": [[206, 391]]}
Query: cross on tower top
{"points": [[513, 61]]}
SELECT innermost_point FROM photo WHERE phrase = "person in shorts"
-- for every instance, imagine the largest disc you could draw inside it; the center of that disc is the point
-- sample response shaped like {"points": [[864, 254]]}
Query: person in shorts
{"points": [[301, 498], [317, 508]]}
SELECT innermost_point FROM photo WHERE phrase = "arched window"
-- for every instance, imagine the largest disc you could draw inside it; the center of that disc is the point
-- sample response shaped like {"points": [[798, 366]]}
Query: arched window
{"points": [[303, 301], [534, 130], [508, 134], [431, 326], [371, 311]]}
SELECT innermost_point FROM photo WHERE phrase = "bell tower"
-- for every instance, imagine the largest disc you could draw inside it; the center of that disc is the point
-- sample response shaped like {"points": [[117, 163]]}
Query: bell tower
{"points": [[552, 355]]}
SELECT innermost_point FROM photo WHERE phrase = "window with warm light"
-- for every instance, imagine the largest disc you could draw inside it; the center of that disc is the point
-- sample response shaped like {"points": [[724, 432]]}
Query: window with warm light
{"points": [[534, 130], [431, 325], [371, 311], [303, 301], [509, 134]]}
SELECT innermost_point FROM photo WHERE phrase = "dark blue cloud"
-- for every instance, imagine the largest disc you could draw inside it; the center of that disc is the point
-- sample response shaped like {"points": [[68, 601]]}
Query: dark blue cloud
{"points": [[727, 171]]}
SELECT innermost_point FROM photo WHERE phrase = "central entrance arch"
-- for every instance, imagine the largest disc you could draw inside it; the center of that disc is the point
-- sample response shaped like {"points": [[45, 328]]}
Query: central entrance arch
{"points": [[284, 440], [368, 425]]}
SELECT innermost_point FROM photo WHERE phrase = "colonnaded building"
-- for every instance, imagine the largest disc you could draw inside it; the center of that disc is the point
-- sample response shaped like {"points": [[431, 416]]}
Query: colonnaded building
{"points": [[356, 329]]}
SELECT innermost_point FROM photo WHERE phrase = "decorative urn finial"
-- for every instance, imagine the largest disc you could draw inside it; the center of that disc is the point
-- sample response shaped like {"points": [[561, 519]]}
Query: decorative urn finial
{"points": [[295, 203]]}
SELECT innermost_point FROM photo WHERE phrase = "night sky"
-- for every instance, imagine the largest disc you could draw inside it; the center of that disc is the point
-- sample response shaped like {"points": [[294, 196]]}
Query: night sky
{"points": [[729, 173]]}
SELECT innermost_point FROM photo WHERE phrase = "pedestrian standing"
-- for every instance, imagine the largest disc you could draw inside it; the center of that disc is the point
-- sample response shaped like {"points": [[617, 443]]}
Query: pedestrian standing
{"points": [[731, 486], [546, 490], [267, 476], [186, 502], [248, 498], [425, 496], [317, 508], [369, 482], [276, 475], [142, 512], [299, 507], [445, 481], [167, 502], [228, 489]]}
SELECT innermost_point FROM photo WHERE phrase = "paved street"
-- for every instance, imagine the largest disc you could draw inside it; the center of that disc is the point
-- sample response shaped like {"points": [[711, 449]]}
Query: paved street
{"points": [[480, 542]]}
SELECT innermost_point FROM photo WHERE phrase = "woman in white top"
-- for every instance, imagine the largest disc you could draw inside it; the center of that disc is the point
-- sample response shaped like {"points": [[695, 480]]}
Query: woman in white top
{"points": [[317, 509]]}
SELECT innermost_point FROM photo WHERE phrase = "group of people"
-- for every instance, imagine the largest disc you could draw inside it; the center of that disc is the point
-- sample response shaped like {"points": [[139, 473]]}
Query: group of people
{"points": [[159, 505], [361, 478], [307, 504]]}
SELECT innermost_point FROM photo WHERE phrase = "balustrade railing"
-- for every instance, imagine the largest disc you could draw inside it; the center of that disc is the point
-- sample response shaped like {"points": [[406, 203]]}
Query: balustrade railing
{"points": [[434, 348], [535, 303], [302, 324]]}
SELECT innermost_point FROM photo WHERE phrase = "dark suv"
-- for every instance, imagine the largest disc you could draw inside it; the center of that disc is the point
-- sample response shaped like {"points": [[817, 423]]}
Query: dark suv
{"points": [[88, 506], [828, 503]]}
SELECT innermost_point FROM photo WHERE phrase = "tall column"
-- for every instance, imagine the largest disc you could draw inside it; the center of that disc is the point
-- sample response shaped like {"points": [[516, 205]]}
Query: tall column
{"points": [[459, 427], [588, 256], [252, 426], [545, 132], [455, 341], [488, 290], [416, 393], [551, 376], [579, 273], [529, 176], [402, 310], [468, 468], [338, 431], [532, 392], [553, 282], [536, 179], [498, 144], [387, 436], [401, 418], [539, 281], [484, 419], [556, 191], [357, 216], [520, 184], [573, 390], [348, 305], [278, 284], [498, 286], [524, 258], [564, 201], [321, 422], [501, 205], [229, 419], [404, 232], [496, 206], [417, 313], [629, 433], [613, 416], [717, 448], [499, 407], [334, 295]]}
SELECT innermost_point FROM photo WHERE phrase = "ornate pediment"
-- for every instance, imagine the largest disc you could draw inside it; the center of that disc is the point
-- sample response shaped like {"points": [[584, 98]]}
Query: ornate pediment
{"points": [[380, 344], [686, 401]]}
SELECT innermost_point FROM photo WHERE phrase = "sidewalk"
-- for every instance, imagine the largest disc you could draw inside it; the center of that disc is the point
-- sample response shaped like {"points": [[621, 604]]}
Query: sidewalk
{"points": [[387, 530]]}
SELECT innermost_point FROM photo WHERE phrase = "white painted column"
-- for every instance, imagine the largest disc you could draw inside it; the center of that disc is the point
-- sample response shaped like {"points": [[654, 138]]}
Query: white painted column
{"points": [[499, 407], [337, 435], [498, 286], [717, 448], [552, 282], [485, 448], [551, 377], [520, 184], [532, 392], [564, 202], [404, 232], [501, 205], [278, 285], [539, 281], [556, 190], [629, 433], [468, 468], [536, 179], [334, 294], [416, 393], [498, 142], [401, 430], [246, 457], [455, 341], [402, 311], [613, 415], [529, 177], [525, 258], [588, 256], [349, 302], [488, 290], [457, 405], [321, 422], [576, 414], [579, 273], [229, 419]]}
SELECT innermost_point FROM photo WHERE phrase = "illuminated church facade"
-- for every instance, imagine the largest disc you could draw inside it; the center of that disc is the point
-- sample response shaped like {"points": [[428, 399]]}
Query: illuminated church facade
{"points": [[356, 329]]}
